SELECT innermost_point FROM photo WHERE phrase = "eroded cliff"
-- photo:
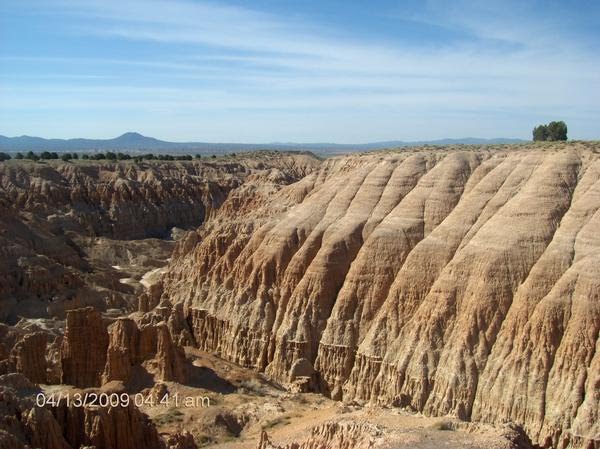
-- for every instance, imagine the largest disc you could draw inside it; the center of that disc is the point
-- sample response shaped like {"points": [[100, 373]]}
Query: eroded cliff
{"points": [[452, 281]]}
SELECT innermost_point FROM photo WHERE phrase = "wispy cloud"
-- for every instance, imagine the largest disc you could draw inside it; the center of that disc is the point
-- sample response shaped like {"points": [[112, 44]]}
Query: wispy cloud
{"points": [[210, 57]]}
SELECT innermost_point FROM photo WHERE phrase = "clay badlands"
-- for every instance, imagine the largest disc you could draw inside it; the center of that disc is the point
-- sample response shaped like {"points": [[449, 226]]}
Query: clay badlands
{"points": [[427, 297]]}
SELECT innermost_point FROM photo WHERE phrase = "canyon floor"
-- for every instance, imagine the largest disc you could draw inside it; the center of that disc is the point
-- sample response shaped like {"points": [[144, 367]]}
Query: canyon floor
{"points": [[413, 298]]}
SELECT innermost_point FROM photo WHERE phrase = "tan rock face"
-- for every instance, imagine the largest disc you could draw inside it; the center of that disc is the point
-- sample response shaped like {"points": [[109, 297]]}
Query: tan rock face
{"points": [[461, 282], [93, 353], [131, 345], [170, 359], [83, 352], [28, 357]]}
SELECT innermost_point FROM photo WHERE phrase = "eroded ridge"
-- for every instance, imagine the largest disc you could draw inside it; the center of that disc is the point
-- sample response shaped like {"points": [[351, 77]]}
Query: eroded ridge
{"points": [[454, 281]]}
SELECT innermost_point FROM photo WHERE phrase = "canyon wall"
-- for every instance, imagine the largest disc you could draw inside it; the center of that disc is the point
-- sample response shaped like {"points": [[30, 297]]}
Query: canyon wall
{"points": [[450, 281], [68, 228]]}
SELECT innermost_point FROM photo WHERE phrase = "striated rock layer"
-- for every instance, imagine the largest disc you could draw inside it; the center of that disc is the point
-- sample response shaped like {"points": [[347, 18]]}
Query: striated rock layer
{"points": [[458, 281], [83, 352], [333, 435]]}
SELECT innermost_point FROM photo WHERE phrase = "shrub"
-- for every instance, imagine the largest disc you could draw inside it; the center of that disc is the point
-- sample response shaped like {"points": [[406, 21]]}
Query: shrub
{"points": [[443, 425]]}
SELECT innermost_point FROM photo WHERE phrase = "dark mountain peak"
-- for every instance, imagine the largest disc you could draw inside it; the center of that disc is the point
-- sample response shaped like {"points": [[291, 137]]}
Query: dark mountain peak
{"points": [[131, 135]]}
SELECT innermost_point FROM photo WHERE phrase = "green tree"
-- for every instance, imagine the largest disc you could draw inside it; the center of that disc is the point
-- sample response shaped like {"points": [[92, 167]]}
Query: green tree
{"points": [[66, 157], [557, 131], [540, 133], [552, 131], [85, 156], [45, 155], [19, 156], [75, 156], [4, 156]]}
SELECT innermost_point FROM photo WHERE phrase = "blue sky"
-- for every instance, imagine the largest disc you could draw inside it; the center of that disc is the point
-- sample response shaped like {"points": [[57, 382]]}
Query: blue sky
{"points": [[303, 71]]}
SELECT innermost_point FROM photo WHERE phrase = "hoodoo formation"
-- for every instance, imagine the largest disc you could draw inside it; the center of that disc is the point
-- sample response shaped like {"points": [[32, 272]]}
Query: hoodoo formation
{"points": [[458, 282]]}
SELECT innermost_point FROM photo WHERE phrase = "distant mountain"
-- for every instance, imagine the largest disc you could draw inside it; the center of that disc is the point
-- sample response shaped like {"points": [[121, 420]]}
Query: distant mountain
{"points": [[135, 142]]}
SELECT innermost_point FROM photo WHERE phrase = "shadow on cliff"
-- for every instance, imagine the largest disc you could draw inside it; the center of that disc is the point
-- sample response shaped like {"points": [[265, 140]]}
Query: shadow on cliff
{"points": [[140, 379], [203, 377]]}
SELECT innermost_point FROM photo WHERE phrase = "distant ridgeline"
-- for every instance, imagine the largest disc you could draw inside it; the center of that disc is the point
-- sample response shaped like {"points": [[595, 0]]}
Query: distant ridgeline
{"points": [[137, 143]]}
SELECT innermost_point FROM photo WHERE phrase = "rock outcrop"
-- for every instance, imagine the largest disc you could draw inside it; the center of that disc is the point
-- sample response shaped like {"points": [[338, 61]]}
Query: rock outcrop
{"points": [[334, 435], [23, 424], [107, 427], [183, 440], [28, 357], [83, 352], [131, 346], [95, 352], [451, 281]]}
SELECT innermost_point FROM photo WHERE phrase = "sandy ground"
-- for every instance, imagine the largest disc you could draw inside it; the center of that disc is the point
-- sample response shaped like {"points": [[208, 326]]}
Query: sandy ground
{"points": [[243, 403]]}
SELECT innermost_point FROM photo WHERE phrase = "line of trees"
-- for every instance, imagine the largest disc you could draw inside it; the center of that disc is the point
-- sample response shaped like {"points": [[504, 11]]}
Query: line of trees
{"points": [[109, 156], [553, 131]]}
